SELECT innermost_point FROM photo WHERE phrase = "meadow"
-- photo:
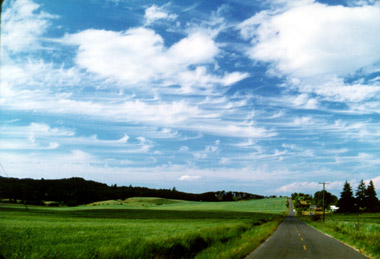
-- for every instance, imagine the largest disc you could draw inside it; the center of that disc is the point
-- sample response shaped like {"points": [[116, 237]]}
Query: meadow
{"points": [[139, 228], [361, 231]]}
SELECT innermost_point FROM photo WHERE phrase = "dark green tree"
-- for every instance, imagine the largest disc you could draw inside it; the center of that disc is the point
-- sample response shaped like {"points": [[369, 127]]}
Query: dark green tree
{"points": [[372, 201], [330, 199], [346, 202], [361, 196]]}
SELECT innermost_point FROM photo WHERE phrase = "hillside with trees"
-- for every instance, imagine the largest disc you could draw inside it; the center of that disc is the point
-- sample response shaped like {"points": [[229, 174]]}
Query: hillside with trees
{"points": [[77, 191]]}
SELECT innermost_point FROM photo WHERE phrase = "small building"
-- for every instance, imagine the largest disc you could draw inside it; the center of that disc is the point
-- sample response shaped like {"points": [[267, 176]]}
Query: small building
{"points": [[334, 208]]}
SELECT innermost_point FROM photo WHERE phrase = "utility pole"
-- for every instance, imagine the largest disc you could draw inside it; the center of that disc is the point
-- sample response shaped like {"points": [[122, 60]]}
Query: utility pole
{"points": [[323, 195]]}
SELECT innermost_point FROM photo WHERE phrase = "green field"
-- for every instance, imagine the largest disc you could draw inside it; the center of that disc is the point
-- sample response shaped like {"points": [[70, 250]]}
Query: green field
{"points": [[139, 228], [360, 231]]}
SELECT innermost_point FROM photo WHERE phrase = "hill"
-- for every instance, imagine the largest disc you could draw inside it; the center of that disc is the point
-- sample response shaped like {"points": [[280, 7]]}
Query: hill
{"points": [[77, 191]]}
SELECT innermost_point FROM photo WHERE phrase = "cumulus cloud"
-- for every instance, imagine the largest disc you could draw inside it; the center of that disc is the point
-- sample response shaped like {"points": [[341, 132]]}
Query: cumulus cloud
{"points": [[314, 39], [316, 47], [138, 56]]}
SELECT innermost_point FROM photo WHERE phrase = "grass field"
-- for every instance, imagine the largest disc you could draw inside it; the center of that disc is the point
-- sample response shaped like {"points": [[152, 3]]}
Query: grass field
{"points": [[139, 228], [360, 231]]}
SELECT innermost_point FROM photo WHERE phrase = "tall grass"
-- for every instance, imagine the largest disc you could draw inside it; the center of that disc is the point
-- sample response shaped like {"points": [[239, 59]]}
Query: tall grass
{"points": [[173, 230], [360, 231]]}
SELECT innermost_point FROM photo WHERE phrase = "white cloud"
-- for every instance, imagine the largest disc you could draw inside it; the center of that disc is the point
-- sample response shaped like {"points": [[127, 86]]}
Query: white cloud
{"points": [[199, 155], [368, 159], [334, 186], [94, 140], [26, 145], [36, 136], [154, 13], [240, 130], [184, 149], [35, 130], [189, 178], [376, 182], [304, 101], [299, 187], [37, 73], [314, 39], [78, 156], [302, 121], [250, 144], [224, 161], [361, 2], [159, 113], [234, 77], [362, 130], [39, 137], [22, 26], [336, 90], [138, 56], [178, 114], [45, 130], [368, 107], [316, 47], [309, 187]]}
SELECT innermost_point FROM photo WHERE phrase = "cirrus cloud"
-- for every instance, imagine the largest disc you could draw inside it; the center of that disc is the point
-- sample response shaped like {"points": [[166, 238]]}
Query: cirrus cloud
{"points": [[154, 13]]}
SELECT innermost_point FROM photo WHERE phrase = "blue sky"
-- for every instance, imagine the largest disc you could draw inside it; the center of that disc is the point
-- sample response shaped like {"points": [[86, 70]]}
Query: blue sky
{"points": [[267, 97]]}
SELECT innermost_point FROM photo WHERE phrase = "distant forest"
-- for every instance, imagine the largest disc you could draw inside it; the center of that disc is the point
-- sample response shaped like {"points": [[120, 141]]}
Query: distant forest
{"points": [[78, 191]]}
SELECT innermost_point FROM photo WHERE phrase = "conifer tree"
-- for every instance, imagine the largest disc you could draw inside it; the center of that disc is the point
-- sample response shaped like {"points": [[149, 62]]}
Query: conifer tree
{"points": [[361, 196], [346, 202], [372, 201]]}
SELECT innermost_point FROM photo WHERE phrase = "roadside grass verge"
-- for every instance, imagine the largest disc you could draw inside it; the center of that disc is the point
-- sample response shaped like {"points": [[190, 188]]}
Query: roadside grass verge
{"points": [[243, 244], [173, 230], [361, 232]]}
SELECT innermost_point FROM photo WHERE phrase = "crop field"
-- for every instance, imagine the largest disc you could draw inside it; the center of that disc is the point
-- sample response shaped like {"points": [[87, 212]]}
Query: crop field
{"points": [[138, 228], [361, 231]]}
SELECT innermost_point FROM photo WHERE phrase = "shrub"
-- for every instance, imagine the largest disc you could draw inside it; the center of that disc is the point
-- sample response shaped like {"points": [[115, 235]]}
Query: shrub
{"points": [[315, 217]]}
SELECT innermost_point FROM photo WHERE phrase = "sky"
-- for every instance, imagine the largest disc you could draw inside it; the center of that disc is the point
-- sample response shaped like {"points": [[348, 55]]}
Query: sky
{"points": [[266, 97]]}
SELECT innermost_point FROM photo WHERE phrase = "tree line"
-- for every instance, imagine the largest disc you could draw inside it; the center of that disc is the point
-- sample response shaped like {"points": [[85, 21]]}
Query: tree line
{"points": [[365, 199], [303, 201], [78, 191]]}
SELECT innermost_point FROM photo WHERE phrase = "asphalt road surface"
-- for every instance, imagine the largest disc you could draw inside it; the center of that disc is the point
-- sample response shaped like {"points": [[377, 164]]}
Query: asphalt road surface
{"points": [[294, 239]]}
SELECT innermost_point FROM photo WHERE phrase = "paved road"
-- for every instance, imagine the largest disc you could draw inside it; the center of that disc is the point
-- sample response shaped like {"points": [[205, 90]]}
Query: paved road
{"points": [[294, 239]]}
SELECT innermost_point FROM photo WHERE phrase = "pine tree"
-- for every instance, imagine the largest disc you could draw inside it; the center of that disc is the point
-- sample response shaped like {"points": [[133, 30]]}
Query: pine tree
{"points": [[346, 202], [361, 196], [371, 198]]}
